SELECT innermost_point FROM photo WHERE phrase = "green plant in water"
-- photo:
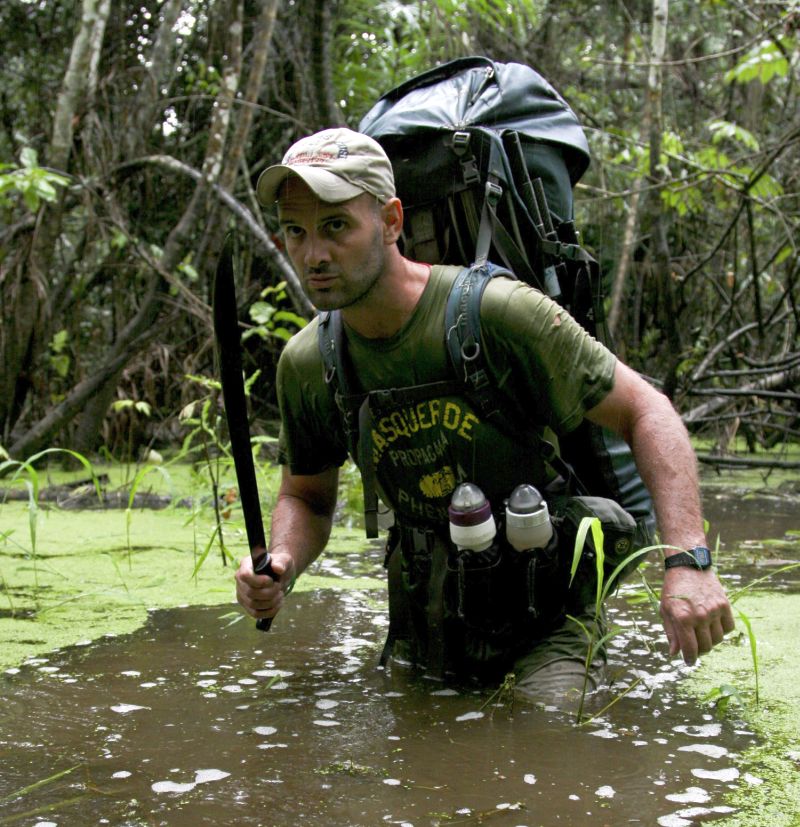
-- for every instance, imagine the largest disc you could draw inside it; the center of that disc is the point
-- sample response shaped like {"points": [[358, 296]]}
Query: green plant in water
{"points": [[722, 696], [204, 418], [504, 694], [137, 481], [38, 784], [7, 590], [596, 638], [134, 409], [753, 647], [33, 486], [205, 438]]}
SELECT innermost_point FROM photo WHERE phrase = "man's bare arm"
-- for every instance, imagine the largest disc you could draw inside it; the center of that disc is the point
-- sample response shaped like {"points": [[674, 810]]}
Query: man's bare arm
{"points": [[694, 608]]}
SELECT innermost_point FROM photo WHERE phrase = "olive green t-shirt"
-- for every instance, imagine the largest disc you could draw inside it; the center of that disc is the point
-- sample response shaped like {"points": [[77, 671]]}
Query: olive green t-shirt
{"points": [[546, 369]]}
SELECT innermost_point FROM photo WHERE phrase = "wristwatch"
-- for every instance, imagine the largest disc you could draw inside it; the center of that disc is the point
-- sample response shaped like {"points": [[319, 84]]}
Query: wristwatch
{"points": [[698, 557]]}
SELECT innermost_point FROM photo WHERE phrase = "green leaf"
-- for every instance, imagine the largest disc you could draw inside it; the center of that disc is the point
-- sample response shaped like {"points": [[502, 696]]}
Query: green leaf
{"points": [[28, 157], [188, 271], [60, 364], [261, 312], [762, 63], [725, 130], [59, 341], [45, 190], [290, 317], [31, 199]]}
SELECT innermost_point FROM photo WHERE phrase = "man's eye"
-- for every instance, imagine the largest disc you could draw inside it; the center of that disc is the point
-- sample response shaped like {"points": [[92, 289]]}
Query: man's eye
{"points": [[336, 225], [292, 231]]}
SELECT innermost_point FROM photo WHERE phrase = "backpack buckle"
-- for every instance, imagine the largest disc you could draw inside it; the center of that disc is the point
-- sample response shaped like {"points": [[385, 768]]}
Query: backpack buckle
{"points": [[493, 193], [469, 166], [460, 142]]}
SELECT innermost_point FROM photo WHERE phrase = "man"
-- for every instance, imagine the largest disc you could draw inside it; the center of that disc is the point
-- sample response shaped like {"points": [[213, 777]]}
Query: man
{"points": [[341, 222]]}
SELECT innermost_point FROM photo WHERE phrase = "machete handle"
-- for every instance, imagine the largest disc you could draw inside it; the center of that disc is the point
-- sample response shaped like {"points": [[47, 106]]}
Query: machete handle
{"points": [[263, 565]]}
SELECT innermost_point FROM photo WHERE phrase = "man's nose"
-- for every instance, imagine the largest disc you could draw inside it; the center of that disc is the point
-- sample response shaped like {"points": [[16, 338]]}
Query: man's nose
{"points": [[316, 251]]}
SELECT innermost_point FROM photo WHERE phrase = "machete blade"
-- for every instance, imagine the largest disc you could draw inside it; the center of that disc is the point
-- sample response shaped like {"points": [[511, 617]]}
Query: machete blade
{"points": [[226, 329]]}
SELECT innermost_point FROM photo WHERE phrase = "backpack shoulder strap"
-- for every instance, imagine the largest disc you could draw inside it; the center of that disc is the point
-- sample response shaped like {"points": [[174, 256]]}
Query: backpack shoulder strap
{"points": [[338, 375], [353, 409], [463, 336], [463, 333]]}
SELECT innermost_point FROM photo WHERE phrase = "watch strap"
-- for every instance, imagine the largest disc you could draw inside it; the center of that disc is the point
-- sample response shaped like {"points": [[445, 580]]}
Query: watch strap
{"points": [[698, 557]]}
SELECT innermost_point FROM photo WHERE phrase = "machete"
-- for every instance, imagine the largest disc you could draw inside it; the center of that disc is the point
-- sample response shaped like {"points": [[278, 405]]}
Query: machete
{"points": [[226, 328]]}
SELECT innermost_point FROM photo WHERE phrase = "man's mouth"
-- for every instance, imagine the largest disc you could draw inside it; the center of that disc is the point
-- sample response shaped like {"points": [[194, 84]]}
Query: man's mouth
{"points": [[319, 281]]}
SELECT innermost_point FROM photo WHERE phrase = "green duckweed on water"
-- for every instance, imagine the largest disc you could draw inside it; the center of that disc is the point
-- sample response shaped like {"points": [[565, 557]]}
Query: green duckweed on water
{"points": [[82, 575], [768, 791]]}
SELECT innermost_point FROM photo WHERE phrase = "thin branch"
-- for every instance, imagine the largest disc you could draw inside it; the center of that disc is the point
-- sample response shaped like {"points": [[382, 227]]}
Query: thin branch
{"points": [[293, 286]]}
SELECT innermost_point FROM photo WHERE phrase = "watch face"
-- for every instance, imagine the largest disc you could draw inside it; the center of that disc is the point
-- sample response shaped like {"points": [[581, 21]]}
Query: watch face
{"points": [[702, 555]]}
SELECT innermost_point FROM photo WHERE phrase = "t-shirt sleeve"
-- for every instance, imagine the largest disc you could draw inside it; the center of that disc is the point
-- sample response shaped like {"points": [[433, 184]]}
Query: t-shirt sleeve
{"points": [[310, 438], [541, 358]]}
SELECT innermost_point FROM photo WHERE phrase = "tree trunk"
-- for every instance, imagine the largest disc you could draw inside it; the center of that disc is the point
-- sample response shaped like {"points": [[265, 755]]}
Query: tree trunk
{"points": [[258, 52], [160, 64], [623, 265], [661, 250], [328, 111], [24, 289], [176, 244], [76, 85]]}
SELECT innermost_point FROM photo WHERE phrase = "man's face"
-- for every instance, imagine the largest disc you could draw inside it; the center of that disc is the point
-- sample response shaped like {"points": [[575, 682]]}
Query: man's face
{"points": [[338, 250]]}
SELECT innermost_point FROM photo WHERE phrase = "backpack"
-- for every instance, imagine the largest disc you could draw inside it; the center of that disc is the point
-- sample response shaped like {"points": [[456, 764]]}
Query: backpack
{"points": [[485, 156]]}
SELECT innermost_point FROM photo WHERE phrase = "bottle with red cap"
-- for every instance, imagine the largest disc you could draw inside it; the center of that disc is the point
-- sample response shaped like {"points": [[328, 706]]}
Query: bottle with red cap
{"points": [[472, 524]]}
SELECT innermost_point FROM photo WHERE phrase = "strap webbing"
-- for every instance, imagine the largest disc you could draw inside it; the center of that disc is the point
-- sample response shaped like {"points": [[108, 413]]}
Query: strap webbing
{"points": [[464, 347], [367, 468]]}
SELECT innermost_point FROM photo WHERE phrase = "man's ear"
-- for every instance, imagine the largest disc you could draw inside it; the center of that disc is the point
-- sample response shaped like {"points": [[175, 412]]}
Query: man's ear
{"points": [[392, 216]]}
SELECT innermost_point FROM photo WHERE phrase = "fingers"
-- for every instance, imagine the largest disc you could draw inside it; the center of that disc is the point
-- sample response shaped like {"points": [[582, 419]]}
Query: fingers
{"points": [[258, 594], [727, 621], [696, 614]]}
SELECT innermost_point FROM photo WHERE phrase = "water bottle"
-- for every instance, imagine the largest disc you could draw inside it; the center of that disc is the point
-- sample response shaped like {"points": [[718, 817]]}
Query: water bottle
{"points": [[527, 519], [472, 524]]}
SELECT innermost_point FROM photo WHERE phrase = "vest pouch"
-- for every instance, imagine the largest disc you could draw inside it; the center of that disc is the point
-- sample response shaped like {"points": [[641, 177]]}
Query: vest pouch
{"points": [[621, 537], [540, 588], [479, 611], [479, 584]]}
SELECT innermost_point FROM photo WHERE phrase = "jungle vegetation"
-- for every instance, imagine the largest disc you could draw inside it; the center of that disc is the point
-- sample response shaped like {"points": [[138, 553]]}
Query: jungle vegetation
{"points": [[132, 134]]}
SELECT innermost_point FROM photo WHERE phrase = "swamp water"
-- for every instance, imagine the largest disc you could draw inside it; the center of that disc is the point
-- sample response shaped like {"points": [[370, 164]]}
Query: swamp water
{"points": [[193, 721]]}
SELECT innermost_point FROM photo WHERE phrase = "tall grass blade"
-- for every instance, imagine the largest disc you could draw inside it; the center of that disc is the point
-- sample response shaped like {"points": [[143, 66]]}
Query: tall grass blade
{"points": [[580, 542], [734, 596], [753, 646], [206, 551]]}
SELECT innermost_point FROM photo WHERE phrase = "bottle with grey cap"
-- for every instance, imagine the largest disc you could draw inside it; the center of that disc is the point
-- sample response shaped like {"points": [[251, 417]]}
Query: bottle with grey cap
{"points": [[528, 523]]}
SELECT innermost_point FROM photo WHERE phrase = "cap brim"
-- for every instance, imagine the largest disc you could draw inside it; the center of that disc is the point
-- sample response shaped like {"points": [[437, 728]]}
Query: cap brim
{"points": [[325, 185]]}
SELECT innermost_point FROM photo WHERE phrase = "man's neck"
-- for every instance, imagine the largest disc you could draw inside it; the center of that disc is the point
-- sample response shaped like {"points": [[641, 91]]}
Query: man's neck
{"points": [[392, 302]]}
